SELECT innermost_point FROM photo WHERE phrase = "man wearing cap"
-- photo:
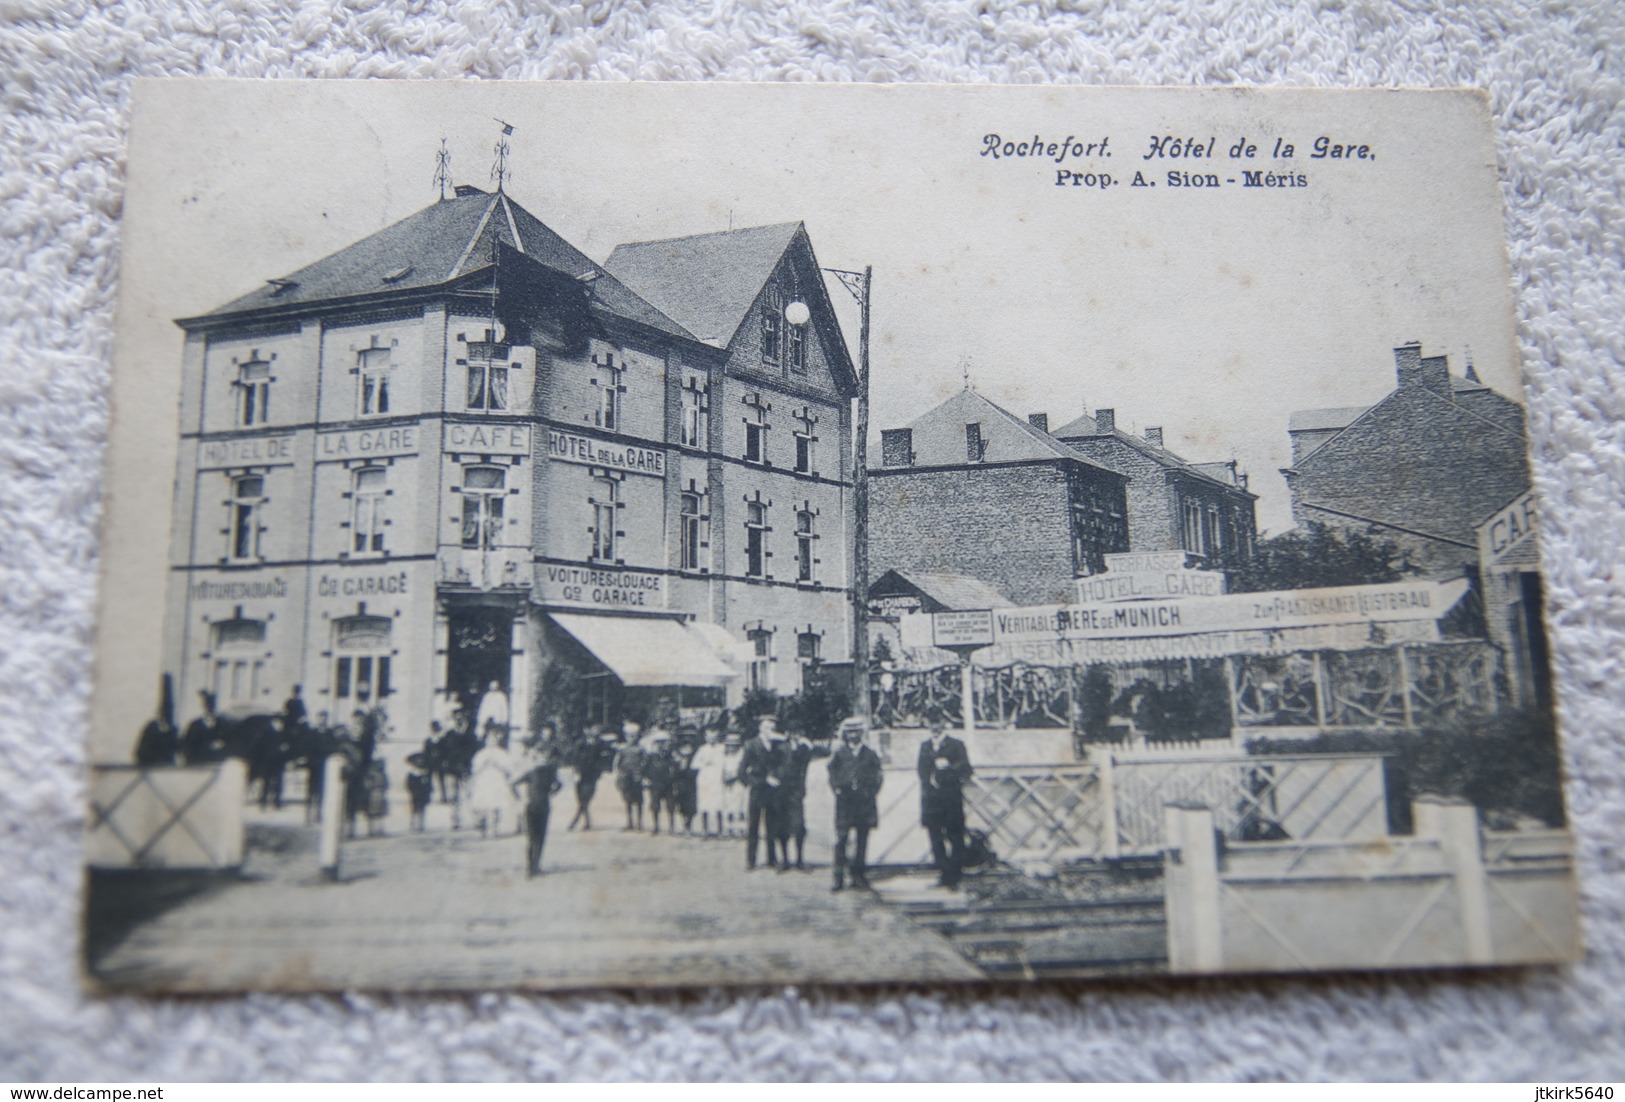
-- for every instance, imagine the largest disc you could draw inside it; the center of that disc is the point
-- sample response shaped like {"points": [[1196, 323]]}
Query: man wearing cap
{"points": [[856, 777], [944, 767]]}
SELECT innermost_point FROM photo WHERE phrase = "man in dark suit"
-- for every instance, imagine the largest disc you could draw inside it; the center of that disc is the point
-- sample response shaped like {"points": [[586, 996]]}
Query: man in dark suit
{"points": [[540, 780], [855, 775], [944, 768], [761, 771]]}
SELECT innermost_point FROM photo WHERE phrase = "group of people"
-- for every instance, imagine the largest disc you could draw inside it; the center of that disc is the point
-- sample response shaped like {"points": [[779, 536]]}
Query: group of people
{"points": [[727, 784], [270, 744]]}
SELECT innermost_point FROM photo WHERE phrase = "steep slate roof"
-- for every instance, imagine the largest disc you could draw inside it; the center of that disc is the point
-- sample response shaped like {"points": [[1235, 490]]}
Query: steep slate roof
{"points": [[939, 436], [1401, 487], [952, 591], [1318, 420], [707, 282], [1085, 426], [442, 242]]}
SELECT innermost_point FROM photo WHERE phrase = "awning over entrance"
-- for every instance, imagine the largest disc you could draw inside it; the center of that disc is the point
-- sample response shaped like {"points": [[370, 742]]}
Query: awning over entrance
{"points": [[647, 652]]}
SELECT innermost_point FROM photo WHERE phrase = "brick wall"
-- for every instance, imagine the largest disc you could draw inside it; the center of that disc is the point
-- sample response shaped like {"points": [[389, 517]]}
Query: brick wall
{"points": [[1418, 462], [1007, 525]]}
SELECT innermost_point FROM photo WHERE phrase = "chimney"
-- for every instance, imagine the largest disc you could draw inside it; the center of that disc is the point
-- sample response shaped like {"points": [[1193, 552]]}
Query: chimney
{"points": [[1153, 436], [897, 448], [1039, 421], [1105, 421], [1408, 359], [1436, 374]]}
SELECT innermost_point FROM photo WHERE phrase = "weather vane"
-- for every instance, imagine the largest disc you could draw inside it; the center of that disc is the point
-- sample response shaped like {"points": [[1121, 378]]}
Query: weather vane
{"points": [[499, 171], [442, 169]]}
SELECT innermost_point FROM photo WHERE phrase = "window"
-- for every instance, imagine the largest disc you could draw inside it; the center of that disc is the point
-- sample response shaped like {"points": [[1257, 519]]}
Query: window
{"points": [[756, 539], [795, 338], [804, 454], [693, 418], [1191, 514], [772, 323], [973, 443], [483, 491], [238, 648], [804, 546], [611, 388], [361, 666], [254, 391], [603, 518], [690, 534], [755, 443], [809, 645], [247, 500], [374, 369], [367, 518], [761, 663], [487, 385]]}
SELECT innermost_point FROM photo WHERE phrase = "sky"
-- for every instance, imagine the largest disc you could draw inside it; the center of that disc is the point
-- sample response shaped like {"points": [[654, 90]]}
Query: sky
{"points": [[1212, 313]]}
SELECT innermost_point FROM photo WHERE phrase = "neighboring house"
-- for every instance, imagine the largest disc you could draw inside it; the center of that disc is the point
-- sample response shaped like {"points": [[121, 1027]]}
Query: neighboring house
{"points": [[1424, 467], [460, 452], [1173, 504], [969, 488]]}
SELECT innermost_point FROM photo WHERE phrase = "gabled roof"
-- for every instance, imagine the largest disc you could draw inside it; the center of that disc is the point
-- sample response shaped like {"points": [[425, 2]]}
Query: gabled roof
{"points": [[1319, 420], [443, 242], [939, 436], [954, 592], [1085, 427], [707, 282]]}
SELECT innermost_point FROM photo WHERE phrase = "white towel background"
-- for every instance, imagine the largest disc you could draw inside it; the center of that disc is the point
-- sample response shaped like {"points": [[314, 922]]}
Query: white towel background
{"points": [[1555, 74]]}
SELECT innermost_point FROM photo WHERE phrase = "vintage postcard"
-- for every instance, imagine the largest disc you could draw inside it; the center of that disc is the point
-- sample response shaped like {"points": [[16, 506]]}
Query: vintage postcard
{"points": [[644, 535]]}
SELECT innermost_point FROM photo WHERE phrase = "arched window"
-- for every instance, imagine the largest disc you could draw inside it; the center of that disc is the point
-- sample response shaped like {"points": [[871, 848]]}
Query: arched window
{"points": [[361, 664], [237, 647]]}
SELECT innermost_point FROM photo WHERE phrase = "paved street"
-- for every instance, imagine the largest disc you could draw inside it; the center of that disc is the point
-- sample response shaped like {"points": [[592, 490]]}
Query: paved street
{"points": [[450, 910]]}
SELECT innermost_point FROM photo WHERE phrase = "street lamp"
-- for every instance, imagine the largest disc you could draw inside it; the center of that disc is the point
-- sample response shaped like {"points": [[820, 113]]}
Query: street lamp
{"points": [[797, 313]]}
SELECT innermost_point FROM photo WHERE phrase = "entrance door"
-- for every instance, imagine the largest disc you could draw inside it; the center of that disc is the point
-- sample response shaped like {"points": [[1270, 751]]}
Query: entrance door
{"points": [[479, 651]]}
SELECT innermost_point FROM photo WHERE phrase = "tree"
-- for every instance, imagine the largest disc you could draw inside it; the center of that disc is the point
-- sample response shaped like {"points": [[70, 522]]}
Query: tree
{"points": [[1317, 555]]}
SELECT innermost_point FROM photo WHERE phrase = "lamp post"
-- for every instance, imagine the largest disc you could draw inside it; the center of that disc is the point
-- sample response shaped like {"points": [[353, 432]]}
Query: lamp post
{"points": [[796, 313]]}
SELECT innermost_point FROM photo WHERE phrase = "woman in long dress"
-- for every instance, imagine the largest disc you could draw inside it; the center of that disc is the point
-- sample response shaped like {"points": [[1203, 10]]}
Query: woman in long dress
{"points": [[710, 789], [490, 791]]}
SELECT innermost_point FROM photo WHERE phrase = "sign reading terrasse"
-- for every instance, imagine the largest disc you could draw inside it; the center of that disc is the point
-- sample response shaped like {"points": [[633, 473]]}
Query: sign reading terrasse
{"points": [[601, 587], [572, 448], [962, 629], [1237, 612], [1146, 562]]}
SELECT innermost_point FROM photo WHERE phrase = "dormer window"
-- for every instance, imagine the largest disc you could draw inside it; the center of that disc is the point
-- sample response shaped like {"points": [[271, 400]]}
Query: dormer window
{"points": [[974, 446]]}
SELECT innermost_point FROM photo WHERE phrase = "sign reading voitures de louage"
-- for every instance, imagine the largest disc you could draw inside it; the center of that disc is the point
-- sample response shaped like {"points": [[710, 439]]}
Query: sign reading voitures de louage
{"points": [[592, 587]]}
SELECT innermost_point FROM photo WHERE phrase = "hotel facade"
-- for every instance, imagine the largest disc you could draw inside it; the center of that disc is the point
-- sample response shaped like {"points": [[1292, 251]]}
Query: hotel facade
{"points": [[460, 452]]}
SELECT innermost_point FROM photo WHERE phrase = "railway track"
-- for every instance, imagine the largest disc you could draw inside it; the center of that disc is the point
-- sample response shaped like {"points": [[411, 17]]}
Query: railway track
{"points": [[1096, 923]]}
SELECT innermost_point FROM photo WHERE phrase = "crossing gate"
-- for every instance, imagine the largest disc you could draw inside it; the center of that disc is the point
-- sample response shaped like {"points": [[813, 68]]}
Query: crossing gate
{"points": [[171, 818], [1054, 813]]}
